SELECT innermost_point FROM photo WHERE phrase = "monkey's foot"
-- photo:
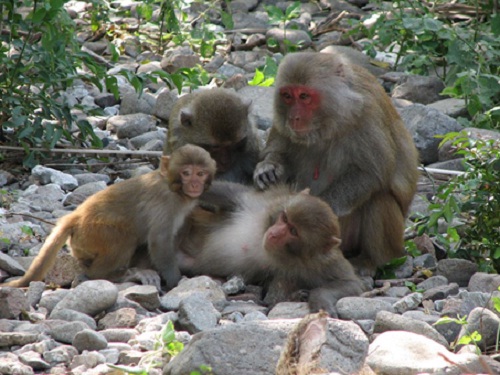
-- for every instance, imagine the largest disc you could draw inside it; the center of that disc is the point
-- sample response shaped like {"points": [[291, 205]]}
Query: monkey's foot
{"points": [[143, 276]]}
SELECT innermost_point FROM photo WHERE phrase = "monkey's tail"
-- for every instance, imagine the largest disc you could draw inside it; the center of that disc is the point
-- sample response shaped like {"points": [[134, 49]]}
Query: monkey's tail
{"points": [[47, 255]]}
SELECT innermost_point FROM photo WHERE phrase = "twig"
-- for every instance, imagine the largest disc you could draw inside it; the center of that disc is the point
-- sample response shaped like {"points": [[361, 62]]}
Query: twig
{"points": [[86, 151], [9, 214]]}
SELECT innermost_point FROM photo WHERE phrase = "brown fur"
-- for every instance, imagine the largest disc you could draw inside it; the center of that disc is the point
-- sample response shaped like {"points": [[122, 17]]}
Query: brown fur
{"points": [[357, 155], [105, 231], [216, 120]]}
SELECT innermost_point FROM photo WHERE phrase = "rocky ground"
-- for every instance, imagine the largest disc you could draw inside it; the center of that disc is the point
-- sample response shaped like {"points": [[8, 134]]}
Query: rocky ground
{"points": [[83, 330]]}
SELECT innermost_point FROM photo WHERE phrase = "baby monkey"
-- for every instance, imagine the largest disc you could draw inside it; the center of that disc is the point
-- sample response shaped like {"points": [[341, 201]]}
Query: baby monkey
{"points": [[107, 229]]}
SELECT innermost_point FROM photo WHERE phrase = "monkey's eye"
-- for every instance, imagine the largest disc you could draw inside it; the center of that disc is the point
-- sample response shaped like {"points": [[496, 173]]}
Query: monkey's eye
{"points": [[305, 97], [201, 173], [287, 97], [186, 173], [293, 231]]}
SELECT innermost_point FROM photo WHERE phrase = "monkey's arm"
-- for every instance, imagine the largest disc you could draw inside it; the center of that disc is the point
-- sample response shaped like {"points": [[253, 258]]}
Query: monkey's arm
{"points": [[270, 170], [163, 254], [350, 190], [223, 196]]}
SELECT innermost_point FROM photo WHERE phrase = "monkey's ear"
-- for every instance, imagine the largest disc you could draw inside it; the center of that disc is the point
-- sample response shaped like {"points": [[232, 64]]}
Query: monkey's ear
{"points": [[247, 103], [306, 191], [164, 163], [186, 117], [334, 242]]}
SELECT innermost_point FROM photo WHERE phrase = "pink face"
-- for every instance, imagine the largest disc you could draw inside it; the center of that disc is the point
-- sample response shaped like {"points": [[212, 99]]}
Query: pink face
{"points": [[302, 103], [193, 179], [280, 233]]}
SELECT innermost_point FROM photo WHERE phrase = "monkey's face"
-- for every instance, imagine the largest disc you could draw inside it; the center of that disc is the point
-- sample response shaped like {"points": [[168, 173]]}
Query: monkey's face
{"points": [[193, 179], [282, 238], [299, 104]]}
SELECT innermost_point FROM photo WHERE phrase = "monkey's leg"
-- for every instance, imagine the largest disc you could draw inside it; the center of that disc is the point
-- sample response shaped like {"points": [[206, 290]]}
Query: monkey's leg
{"points": [[376, 232], [103, 251]]}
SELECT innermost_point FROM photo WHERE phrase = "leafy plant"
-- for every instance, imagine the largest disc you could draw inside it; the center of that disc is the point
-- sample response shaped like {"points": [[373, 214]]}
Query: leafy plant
{"points": [[277, 17], [464, 52], [470, 204], [166, 347], [40, 58], [265, 77]]}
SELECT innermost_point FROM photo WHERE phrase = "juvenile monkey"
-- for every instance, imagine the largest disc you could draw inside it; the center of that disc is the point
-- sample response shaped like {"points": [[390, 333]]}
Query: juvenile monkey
{"points": [[276, 238], [336, 132], [217, 120], [106, 229]]}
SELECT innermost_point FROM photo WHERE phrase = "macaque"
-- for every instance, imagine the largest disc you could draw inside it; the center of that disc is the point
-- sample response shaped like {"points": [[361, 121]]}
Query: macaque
{"points": [[106, 230], [217, 120], [276, 238], [336, 132]]}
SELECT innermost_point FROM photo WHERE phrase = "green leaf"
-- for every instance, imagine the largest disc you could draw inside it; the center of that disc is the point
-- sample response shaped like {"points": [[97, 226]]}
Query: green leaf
{"points": [[168, 333], [495, 24], [227, 20]]}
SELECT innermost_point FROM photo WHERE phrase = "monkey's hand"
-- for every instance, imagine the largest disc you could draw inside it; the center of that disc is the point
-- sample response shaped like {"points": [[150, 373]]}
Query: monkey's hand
{"points": [[143, 276], [267, 174]]}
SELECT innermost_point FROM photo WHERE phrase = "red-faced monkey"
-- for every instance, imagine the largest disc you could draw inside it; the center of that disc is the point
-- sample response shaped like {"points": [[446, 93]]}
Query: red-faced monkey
{"points": [[217, 120], [106, 230], [276, 238], [336, 132]]}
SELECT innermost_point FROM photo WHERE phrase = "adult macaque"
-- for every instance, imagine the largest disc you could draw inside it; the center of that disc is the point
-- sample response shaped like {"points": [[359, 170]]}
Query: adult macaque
{"points": [[106, 230], [217, 120], [276, 238], [336, 132]]}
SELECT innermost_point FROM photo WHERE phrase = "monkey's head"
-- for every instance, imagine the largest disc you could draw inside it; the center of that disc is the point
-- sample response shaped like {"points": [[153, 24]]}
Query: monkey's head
{"points": [[189, 170], [315, 97], [301, 231], [217, 120]]}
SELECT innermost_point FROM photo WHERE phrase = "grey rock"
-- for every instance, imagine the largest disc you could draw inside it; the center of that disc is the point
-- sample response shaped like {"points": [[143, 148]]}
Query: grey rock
{"points": [[398, 291], [73, 316], [424, 124], [234, 285], [409, 302], [119, 334], [432, 282], [8, 339], [457, 270], [48, 175], [62, 354], [196, 314], [419, 89], [66, 331], [34, 360], [90, 297], [164, 103], [145, 295], [386, 321], [289, 310], [10, 264], [131, 125], [261, 110], [414, 354], [10, 365], [356, 308], [186, 287], [452, 107], [441, 292], [88, 339], [425, 261], [486, 323], [287, 39], [51, 298], [122, 318], [88, 359], [484, 282], [86, 178], [43, 198], [81, 193], [143, 139], [243, 307], [14, 302], [35, 291], [254, 315]]}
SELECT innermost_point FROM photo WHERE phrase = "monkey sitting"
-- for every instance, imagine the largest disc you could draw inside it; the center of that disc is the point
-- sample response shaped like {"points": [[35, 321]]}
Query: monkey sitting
{"points": [[106, 230]]}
